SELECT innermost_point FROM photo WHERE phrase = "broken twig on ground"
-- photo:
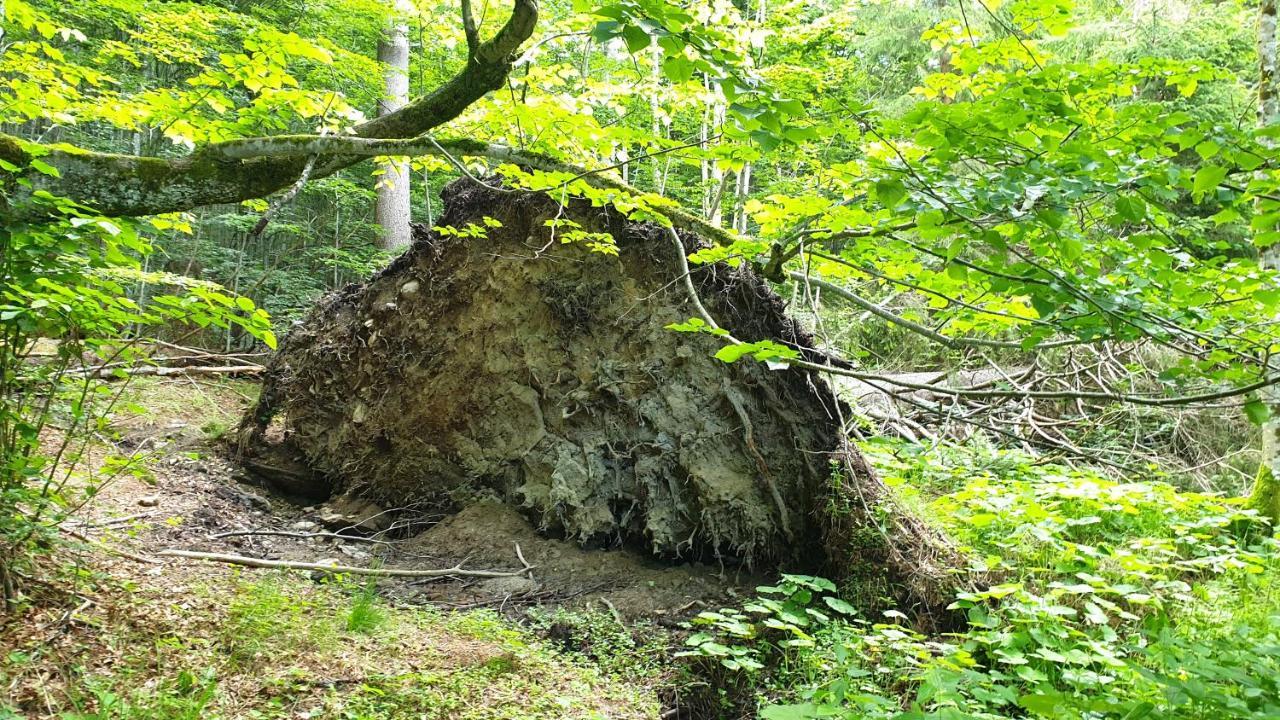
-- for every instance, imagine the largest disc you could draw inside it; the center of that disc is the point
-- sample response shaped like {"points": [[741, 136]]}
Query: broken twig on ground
{"points": [[300, 535]]}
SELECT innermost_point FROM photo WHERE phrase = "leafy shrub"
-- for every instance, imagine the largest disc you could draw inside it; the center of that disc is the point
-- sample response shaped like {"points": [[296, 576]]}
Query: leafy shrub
{"points": [[636, 653], [68, 284], [1114, 600]]}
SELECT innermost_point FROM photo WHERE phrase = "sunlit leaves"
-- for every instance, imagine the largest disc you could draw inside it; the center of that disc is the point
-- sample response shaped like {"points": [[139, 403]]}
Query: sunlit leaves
{"points": [[762, 350], [698, 47], [219, 90], [1036, 197], [1206, 180], [889, 192], [570, 232]]}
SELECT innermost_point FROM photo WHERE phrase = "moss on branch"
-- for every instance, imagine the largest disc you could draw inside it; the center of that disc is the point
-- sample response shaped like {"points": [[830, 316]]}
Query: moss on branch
{"points": [[126, 185], [1265, 496]]}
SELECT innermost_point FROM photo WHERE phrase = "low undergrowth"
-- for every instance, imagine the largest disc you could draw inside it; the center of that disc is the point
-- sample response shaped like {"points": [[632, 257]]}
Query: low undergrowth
{"points": [[279, 646], [1104, 599], [638, 652]]}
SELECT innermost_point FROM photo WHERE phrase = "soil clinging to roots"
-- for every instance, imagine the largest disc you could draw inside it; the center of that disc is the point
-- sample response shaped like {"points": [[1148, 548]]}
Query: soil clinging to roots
{"points": [[541, 372]]}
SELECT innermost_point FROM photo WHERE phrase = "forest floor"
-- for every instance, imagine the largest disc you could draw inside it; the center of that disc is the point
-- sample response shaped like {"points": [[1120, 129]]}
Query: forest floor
{"points": [[1119, 598], [119, 632]]}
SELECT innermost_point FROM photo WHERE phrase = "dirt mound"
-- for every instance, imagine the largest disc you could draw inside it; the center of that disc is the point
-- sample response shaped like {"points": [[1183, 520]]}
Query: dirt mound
{"points": [[488, 533]]}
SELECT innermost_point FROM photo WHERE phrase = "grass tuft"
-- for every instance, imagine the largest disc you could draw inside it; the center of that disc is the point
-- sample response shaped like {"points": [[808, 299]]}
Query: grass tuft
{"points": [[365, 616]]}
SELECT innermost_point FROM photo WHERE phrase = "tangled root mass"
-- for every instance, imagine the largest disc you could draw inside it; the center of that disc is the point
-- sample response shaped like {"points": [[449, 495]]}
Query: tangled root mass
{"points": [[542, 372]]}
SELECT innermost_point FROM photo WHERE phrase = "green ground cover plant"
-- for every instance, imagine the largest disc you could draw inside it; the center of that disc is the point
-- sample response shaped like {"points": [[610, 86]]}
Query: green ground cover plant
{"points": [[1102, 599]]}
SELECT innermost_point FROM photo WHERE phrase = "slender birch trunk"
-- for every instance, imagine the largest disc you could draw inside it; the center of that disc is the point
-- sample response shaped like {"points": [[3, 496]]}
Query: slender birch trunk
{"points": [[655, 108], [1265, 497], [393, 204], [741, 191]]}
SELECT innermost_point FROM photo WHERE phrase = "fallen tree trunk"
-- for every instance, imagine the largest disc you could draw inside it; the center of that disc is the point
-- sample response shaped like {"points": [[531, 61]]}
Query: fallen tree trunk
{"points": [[495, 358]]}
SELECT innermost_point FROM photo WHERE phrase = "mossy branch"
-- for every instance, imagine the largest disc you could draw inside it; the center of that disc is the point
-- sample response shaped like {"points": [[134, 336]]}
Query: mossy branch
{"points": [[130, 185], [296, 147]]}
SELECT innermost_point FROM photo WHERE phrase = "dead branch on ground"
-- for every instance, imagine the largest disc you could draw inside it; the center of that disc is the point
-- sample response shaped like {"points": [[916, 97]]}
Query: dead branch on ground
{"points": [[336, 569]]}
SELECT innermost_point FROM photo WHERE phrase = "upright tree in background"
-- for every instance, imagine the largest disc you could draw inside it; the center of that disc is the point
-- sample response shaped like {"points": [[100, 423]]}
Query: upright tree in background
{"points": [[1266, 490], [392, 212]]}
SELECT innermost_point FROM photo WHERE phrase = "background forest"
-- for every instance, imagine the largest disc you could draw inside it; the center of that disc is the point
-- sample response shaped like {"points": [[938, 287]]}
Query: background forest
{"points": [[1034, 240], [160, 79]]}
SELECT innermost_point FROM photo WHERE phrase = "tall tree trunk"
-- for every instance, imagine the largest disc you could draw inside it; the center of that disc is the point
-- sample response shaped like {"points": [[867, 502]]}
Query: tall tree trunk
{"points": [[392, 211], [1265, 497], [655, 108], [742, 189]]}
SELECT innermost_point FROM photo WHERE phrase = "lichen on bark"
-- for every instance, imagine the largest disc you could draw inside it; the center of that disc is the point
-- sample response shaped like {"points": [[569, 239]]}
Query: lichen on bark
{"points": [[1265, 496]]}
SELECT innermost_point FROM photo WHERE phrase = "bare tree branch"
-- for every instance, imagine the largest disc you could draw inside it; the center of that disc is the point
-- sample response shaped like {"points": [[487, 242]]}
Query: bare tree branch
{"points": [[340, 569], [1148, 400], [955, 343]]}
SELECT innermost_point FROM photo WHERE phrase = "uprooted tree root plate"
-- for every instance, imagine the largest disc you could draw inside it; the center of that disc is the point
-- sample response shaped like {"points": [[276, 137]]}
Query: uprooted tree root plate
{"points": [[542, 372]]}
